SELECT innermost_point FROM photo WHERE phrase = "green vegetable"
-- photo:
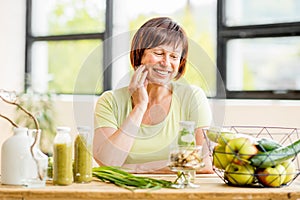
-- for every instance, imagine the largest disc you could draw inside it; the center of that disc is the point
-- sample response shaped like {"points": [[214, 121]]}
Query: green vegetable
{"points": [[127, 180], [277, 156], [267, 145]]}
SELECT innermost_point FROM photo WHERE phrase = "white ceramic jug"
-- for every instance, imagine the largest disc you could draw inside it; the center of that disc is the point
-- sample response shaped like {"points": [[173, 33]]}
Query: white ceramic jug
{"points": [[16, 159]]}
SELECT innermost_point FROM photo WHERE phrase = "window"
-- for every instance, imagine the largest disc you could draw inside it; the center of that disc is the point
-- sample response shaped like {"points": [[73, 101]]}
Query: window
{"points": [[65, 48], [259, 49], [256, 53]]}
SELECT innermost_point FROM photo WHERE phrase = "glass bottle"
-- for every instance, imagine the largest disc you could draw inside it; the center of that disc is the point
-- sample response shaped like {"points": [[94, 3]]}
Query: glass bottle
{"points": [[83, 158], [62, 157], [186, 134], [38, 174], [186, 138]]}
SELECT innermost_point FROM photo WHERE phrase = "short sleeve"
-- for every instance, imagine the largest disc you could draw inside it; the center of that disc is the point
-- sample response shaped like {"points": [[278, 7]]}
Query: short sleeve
{"points": [[104, 115], [200, 110]]}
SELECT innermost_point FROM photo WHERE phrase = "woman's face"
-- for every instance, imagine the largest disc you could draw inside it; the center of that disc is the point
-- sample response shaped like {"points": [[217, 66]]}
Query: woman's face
{"points": [[162, 63]]}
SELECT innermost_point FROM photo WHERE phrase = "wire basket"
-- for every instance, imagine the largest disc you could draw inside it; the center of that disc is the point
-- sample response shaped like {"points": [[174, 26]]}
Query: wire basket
{"points": [[234, 162]]}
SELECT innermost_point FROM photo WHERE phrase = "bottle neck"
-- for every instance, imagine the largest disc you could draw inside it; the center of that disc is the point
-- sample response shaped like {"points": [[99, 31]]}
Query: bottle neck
{"points": [[62, 137], [20, 131]]}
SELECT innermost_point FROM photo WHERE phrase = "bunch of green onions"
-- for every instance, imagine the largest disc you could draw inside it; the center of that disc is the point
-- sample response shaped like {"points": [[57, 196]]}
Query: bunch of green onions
{"points": [[127, 180]]}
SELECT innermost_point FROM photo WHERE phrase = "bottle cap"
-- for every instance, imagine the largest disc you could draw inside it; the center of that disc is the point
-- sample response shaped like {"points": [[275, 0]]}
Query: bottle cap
{"points": [[83, 128], [187, 123], [63, 129]]}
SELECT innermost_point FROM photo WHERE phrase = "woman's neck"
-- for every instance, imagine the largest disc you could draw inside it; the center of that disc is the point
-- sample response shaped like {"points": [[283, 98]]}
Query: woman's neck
{"points": [[160, 98], [158, 92]]}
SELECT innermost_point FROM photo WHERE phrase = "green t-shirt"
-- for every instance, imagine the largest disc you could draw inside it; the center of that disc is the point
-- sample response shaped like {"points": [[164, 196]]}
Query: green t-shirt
{"points": [[189, 103]]}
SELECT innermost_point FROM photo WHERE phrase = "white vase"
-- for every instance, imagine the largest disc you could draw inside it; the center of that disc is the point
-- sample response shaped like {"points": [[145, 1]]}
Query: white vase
{"points": [[16, 159]]}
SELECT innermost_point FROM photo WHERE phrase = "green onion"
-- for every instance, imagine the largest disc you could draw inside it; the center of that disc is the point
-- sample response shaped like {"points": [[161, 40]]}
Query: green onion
{"points": [[127, 180]]}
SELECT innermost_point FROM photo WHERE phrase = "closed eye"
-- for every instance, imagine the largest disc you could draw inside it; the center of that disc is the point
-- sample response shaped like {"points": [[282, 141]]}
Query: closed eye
{"points": [[158, 53], [175, 56]]}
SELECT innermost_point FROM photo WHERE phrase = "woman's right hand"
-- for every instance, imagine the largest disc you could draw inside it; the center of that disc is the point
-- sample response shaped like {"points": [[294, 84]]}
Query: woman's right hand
{"points": [[138, 87]]}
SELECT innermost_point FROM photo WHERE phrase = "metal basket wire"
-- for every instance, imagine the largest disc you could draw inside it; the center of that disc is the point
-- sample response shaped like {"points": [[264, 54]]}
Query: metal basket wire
{"points": [[283, 135]]}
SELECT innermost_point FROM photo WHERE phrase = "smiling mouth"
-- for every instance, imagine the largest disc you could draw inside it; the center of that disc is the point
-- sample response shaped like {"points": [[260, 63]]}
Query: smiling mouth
{"points": [[161, 72]]}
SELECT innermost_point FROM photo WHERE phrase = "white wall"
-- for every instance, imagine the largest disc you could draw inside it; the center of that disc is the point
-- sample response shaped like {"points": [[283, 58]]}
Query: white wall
{"points": [[12, 40], [12, 55], [70, 113], [262, 113]]}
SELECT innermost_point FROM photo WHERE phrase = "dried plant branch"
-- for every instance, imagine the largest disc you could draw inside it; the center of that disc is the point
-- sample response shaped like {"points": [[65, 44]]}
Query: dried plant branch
{"points": [[13, 123], [23, 109]]}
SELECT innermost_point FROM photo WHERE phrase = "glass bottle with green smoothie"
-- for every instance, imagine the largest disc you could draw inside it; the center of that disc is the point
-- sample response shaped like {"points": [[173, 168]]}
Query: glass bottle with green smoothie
{"points": [[62, 157], [83, 155]]}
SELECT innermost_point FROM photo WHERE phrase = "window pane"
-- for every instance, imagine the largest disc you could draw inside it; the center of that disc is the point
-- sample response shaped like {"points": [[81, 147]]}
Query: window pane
{"points": [[67, 66], [198, 18], [56, 17], [249, 12], [263, 64]]}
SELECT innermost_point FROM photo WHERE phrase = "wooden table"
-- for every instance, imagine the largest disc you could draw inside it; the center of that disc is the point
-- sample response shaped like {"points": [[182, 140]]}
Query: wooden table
{"points": [[211, 187]]}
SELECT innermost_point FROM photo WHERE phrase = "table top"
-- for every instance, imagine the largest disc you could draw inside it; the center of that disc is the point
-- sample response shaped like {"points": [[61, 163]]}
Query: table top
{"points": [[211, 187]]}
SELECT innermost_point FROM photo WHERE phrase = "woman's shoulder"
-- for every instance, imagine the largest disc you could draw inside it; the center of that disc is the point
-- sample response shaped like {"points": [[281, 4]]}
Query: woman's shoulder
{"points": [[119, 94], [187, 89]]}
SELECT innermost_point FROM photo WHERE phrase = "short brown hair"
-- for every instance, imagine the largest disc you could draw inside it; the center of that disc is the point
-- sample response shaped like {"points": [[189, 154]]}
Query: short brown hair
{"points": [[156, 32]]}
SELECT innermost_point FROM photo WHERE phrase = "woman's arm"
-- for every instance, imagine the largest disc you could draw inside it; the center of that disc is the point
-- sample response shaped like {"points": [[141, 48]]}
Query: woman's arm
{"points": [[111, 146], [154, 167], [200, 140]]}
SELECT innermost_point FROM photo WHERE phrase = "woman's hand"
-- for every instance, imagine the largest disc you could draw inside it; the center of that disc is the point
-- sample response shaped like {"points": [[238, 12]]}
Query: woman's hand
{"points": [[138, 87]]}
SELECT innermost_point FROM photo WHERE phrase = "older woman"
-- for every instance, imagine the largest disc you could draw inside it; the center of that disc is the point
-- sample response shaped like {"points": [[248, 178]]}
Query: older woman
{"points": [[135, 125]]}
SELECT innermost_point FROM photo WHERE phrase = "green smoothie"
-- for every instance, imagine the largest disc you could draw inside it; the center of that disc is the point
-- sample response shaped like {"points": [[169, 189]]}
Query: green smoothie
{"points": [[83, 160], [62, 164]]}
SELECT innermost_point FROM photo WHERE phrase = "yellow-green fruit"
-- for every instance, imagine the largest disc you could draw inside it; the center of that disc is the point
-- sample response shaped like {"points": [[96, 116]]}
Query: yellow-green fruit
{"points": [[225, 137], [219, 157], [213, 134], [221, 136], [239, 150], [239, 174], [272, 176], [290, 171]]}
